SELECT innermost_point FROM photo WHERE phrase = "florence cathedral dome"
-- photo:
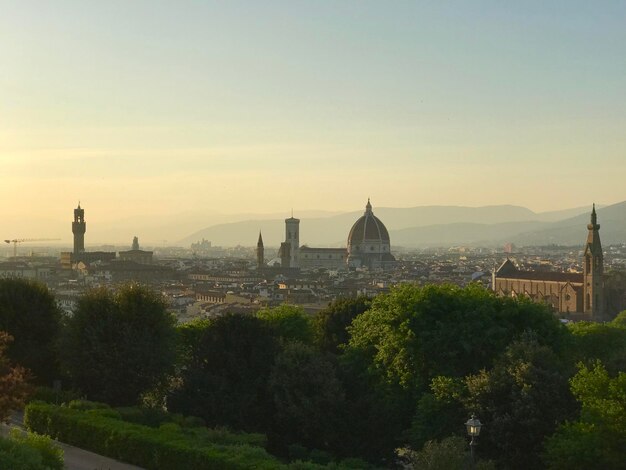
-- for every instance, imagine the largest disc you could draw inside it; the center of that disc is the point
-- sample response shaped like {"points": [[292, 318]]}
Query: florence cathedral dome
{"points": [[368, 242]]}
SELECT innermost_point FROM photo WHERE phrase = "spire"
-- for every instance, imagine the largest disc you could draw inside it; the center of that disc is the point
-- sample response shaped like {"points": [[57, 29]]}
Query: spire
{"points": [[594, 219], [260, 242], [368, 207]]}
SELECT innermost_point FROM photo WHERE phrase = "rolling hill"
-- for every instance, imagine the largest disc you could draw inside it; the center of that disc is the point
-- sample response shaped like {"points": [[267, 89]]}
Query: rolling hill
{"points": [[434, 226]]}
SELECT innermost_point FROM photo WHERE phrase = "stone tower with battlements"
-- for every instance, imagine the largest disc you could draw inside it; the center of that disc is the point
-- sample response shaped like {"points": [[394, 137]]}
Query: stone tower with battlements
{"points": [[79, 227]]}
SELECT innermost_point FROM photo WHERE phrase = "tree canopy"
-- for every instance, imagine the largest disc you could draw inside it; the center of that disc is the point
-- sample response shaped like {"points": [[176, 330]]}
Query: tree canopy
{"points": [[289, 322], [28, 312], [308, 398], [226, 365], [331, 324], [598, 438], [605, 342], [416, 333], [522, 398], [119, 345]]}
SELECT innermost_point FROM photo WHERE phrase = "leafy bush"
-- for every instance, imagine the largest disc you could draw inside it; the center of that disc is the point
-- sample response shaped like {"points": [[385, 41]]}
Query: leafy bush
{"points": [[29, 452], [84, 405], [152, 417], [106, 412]]}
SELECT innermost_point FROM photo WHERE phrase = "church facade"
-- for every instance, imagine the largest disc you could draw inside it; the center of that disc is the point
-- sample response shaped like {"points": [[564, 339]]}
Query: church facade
{"points": [[369, 247], [579, 294]]}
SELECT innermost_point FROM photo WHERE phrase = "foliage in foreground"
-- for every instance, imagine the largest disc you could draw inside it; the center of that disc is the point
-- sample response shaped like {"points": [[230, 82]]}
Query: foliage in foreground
{"points": [[598, 438], [415, 334], [227, 363], [451, 453], [163, 448], [118, 346], [29, 313], [29, 451], [13, 387], [99, 428], [288, 322]]}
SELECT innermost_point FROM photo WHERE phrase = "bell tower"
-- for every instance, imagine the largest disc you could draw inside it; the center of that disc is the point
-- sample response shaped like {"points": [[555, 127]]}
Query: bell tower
{"points": [[260, 252], [292, 236], [79, 227], [593, 269]]}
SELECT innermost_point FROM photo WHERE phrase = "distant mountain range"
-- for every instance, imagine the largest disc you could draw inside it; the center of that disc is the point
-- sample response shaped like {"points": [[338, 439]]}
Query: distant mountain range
{"points": [[428, 226]]}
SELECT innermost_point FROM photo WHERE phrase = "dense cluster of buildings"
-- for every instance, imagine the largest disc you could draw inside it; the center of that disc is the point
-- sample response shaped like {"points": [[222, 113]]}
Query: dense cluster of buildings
{"points": [[572, 282]]}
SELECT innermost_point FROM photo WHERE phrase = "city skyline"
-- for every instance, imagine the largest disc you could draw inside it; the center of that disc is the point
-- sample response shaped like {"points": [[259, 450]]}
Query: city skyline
{"points": [[159, 109]]}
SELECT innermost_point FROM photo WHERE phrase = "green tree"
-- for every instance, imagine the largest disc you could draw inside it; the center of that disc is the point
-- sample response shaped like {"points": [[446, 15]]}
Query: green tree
{"points": [[605, 342], [290, 323], [375, 411], [330, 324], [414, 333], [439, 412], [28, 312], [120, 345], [521, 400], [13, 381], [308, 398], [598, 438], [225, 372]]}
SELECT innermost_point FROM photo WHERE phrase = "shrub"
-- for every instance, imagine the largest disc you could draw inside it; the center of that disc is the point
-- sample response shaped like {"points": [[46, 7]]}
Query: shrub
{"points": [[84, 405], [152, 417], [106, 412], [29, 452]]}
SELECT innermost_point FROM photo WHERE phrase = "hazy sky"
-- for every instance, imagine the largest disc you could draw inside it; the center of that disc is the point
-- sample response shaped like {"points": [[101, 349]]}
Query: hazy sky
{"points": [[157, 107]]}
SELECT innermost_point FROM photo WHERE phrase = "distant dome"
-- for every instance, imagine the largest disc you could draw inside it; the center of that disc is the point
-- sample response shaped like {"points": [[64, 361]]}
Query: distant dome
{"points": [[368, 242], [368, 228]]}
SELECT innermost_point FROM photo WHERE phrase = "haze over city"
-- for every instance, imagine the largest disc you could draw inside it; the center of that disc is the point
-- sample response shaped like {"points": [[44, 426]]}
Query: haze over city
{"points": [[198, 113], [312, 235]]}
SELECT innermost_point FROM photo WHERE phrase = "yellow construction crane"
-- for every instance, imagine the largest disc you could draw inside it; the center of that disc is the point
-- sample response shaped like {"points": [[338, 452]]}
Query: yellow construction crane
{"points": [[15, 241]]}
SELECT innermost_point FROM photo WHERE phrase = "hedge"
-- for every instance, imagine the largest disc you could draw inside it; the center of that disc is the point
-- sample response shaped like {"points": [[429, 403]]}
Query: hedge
{"points": [[22, 451], [154, 449], [194, 427]]}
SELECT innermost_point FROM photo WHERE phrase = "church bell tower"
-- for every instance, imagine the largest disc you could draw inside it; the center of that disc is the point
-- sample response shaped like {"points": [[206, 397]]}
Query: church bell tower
{"points": [[260, 252], [593, 269], [292, 237], [79, 227]]}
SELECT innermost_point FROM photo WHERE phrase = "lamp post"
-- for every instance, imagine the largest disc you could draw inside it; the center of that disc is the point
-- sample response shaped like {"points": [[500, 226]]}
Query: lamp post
{"points": [[473, 426]]}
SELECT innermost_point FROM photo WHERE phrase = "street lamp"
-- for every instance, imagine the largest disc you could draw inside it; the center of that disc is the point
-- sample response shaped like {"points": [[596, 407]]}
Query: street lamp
{"points": [[473, 426]]}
